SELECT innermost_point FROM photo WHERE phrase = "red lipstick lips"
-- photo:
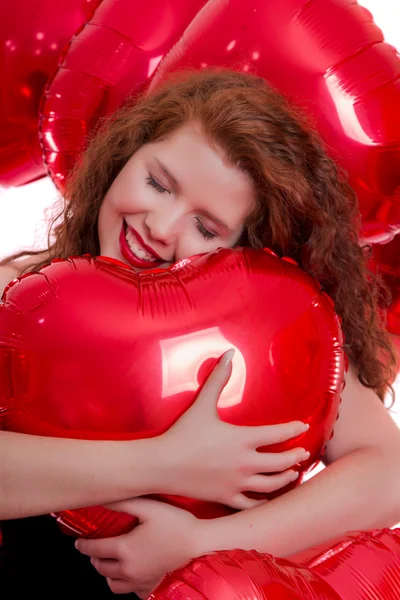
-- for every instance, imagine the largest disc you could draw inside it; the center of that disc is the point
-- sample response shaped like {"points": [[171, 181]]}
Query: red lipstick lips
{"points": [[130, 257]]}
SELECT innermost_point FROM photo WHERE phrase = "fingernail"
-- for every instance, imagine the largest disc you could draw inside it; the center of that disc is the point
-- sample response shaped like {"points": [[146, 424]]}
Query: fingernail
{"points": [[294, 476], [77, 544], [305, 455], [305, 426], [226, 358]]}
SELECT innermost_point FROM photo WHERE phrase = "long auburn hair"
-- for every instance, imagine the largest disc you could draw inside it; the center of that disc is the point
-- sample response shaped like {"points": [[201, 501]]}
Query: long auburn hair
{"points": [[306, 209]]}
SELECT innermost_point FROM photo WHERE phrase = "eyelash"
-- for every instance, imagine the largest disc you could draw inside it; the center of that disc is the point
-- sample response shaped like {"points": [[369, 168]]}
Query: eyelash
{"points": [[207, 235], [154, 184]]}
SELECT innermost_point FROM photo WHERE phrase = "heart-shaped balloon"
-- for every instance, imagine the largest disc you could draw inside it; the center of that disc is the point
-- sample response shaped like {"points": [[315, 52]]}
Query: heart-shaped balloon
{"points": [[90, 349], [364, 566], [113, 56], [329, 57], [32, 35]]}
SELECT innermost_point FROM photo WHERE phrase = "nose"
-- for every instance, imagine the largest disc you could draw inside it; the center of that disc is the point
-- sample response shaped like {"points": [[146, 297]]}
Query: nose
{"points": [[162, 226]]}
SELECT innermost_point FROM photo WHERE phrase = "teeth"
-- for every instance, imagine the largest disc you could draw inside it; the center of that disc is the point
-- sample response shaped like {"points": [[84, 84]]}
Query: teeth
{"points": [[137, 249]]}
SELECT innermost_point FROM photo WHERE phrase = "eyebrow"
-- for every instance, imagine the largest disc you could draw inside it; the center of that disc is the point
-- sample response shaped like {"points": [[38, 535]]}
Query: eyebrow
{"points": [[168, 174], [206, 213]]}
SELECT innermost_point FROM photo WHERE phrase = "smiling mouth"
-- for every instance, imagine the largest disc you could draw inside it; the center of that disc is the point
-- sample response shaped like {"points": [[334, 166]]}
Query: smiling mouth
{"points": [[135, 251]]}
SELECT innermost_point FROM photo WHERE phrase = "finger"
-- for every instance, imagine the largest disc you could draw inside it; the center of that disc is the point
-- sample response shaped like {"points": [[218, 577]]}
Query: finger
{"points": [[101, 548], [272, 462], [216, 381], [242, 502], [107, 567], [273, 434], [264, 484]]}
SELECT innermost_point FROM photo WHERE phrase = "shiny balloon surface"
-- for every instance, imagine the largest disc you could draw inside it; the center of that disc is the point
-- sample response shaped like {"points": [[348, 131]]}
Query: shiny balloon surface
{"points": [[90, 349]]}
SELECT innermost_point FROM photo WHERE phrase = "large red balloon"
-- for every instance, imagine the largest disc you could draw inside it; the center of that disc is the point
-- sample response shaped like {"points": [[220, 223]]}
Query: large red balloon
{"points": [[361, 566], [33, 34], [113, 56], [329, 57], [90, 349]]}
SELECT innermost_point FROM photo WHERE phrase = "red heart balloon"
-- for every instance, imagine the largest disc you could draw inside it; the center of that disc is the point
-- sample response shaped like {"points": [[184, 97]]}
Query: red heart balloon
{"points": [[329, 57], [90, 349], [113, 56], [241, 575], [362, 565], [32, 35]]}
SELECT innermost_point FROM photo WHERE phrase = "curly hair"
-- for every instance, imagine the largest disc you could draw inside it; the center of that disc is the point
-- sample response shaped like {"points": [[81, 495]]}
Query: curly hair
{"points": [[306, 209]]}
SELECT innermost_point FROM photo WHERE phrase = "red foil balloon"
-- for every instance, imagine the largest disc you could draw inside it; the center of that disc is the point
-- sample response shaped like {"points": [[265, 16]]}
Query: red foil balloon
{"points": [[90, 349], [361, 566], [113, 56], [240, 575], [329, 57], [32, 36]]}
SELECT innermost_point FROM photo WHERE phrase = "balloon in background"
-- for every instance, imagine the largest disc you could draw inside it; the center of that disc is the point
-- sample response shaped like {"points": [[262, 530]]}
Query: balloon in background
{"points": [[113, 56], [328, 57], [360, 566], [70, 371], [33, 34], [386, 261]]}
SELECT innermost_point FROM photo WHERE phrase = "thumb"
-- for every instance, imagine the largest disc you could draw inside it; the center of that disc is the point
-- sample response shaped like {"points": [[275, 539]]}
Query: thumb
{"points": [[216, 381], [142, 508]]}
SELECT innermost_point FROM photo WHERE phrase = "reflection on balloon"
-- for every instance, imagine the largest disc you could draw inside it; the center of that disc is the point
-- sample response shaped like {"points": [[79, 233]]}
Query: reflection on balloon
{"points": [[69, 371], [183, 356]]}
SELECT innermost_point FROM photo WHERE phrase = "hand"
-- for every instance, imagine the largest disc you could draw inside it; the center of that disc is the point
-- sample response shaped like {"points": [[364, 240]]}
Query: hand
{"points": [[137, 561], [215, 461]]}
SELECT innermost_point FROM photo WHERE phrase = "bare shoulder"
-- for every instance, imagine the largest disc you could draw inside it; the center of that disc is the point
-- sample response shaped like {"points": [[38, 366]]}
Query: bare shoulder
{"points": [[363, 421], [14, 269], [7, 274]]}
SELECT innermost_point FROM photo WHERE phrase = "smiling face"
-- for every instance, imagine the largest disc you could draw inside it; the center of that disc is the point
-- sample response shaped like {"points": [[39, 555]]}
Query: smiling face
{"points": [[174, 198]]}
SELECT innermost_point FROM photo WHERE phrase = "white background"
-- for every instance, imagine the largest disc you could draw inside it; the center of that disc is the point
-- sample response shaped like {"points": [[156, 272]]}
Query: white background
{"points": [[24, 210]]}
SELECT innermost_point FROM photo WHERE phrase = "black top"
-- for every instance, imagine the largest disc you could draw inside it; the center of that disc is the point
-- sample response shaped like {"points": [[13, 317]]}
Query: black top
{"points": [[39, 560]]}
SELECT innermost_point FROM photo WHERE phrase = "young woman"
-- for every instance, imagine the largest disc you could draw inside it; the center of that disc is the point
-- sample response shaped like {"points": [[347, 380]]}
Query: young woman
{"points": [[212, 159]]}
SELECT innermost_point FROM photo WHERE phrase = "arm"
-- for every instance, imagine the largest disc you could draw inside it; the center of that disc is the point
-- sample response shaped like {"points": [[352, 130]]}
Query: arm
{"points": [[40, 475], [359, 489]]}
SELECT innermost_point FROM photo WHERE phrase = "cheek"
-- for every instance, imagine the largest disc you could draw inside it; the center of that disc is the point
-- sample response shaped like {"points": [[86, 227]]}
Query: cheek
{"points": [[138, 197], [191, 242], [128, 194]]}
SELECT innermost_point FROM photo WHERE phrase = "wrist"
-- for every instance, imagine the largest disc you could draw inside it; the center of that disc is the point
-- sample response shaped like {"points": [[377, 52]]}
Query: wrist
{"points": [[149, 468], [161, 469], [226, 533], [168, 467], [209, 536]]}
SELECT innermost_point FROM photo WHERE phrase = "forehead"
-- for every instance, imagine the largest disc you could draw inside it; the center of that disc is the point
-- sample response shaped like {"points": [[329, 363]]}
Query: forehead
{"points": [[201, 169]]}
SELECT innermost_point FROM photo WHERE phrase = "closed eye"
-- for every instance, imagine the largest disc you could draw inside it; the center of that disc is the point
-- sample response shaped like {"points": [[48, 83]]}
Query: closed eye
{"points": [[154, 184], [208, 235]]}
